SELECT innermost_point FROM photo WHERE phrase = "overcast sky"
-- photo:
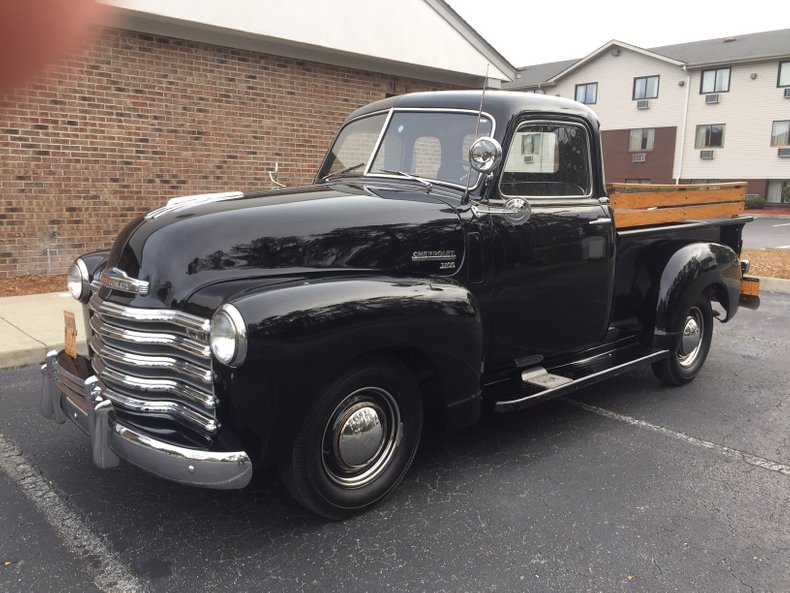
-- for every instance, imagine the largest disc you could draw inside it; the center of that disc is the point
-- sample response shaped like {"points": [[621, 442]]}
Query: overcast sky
{"points": [[529, 32]]}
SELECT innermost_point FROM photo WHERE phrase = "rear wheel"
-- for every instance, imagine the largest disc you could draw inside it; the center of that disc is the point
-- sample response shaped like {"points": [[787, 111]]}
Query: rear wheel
{"points": [[688, 355], [356, 442]]}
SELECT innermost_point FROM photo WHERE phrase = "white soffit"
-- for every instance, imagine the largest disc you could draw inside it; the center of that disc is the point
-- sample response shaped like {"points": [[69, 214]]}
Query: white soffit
{"points": [[416, 38]]}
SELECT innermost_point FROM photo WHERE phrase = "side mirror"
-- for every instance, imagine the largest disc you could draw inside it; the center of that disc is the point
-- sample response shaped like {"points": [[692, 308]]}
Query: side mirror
{"points": [[485, 154]]}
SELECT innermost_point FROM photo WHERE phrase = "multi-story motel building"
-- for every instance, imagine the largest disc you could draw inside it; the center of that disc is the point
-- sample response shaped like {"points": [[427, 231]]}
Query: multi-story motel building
{"points": [[707, 111]]}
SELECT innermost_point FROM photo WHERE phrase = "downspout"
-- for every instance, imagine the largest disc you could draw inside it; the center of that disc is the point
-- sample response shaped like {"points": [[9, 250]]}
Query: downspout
{"points": [[685, 122]]}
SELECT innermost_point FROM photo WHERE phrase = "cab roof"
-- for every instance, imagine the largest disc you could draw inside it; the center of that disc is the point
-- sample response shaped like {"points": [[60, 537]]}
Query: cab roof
{"points": [[502, 105]]}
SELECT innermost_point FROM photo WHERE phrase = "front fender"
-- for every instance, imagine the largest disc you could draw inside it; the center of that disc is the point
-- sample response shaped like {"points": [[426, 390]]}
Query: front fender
{"points": [[94, 261], [690, 270], [301, 335]]}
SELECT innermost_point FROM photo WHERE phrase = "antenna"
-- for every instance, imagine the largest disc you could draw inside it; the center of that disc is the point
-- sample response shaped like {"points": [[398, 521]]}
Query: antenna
{"points": [[465, 199]]}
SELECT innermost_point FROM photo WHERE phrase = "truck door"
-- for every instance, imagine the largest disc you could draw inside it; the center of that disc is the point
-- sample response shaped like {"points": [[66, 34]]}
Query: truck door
{"points": [[553, 246]]}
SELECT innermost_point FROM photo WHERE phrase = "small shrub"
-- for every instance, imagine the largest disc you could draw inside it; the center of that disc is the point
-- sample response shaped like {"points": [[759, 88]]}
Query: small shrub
{"points": [[786, 194], [755, 203]]}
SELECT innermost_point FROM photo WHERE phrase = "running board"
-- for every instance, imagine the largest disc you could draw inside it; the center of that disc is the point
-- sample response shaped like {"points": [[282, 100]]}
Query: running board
{"points": [[568, 384]]}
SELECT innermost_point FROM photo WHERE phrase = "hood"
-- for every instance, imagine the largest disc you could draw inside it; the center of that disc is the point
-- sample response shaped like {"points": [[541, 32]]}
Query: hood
{"points": [[318, 229]]}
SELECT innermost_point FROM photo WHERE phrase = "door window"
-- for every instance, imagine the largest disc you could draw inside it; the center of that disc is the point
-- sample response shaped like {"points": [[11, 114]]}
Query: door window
{"points": [[547, 159]]}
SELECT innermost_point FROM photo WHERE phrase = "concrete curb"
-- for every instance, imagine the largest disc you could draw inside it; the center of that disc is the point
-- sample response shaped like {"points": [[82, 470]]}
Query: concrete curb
{"points": [[775, 285]]}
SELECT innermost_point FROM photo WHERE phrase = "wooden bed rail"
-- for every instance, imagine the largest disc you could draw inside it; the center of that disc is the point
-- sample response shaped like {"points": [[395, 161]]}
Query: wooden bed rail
{"points": [[637, 205]]}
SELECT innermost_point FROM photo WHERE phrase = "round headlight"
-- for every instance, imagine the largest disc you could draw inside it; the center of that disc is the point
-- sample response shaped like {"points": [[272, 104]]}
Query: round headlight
{"points": [[228, 336], [78, 281]]}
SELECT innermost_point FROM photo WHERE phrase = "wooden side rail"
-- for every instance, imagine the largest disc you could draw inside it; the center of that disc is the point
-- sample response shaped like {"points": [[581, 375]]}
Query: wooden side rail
{"points": [[637, 205]]}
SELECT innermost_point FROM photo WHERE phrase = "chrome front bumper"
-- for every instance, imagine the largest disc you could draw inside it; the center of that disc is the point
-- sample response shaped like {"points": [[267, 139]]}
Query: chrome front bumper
{"points": [[65, 395]]}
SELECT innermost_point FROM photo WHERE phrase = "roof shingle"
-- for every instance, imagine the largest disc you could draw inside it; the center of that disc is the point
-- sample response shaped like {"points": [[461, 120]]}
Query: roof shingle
{"points": [[722, 50]]}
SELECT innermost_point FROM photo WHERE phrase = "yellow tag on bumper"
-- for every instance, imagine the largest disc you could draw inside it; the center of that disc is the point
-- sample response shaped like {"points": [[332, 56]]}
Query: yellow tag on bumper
{"points": [[750, 286], [71, 334]]}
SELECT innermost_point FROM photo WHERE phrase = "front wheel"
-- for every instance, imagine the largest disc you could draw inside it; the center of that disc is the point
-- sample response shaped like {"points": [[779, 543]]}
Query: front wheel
{"points": [[356, 442], [686, 358]]}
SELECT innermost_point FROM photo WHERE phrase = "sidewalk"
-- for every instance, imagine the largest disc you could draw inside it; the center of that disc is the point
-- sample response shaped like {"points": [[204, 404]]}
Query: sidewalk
{"points": [[32, 325]]}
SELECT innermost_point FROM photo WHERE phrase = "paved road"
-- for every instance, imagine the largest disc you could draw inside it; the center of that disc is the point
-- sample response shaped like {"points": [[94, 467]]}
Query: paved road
{"points": [[626, 486], [767, 231]]}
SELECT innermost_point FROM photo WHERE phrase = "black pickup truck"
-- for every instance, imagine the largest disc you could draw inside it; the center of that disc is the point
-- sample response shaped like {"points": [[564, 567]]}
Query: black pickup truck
{"points": [[427, 267]]}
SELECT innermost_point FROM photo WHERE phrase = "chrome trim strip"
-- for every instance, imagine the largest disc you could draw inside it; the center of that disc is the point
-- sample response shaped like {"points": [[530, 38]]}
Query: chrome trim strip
{"points": [[108, 353], [150, 338], [159, 386], [166, 407], [601, 221], [379, 140], [689, 225], [111, 439], [185, 320]]}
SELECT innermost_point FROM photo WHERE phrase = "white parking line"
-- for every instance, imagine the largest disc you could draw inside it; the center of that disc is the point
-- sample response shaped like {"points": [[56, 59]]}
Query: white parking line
{"points": [[110, 574], [782, 247], [723, 449], [782, 224]]}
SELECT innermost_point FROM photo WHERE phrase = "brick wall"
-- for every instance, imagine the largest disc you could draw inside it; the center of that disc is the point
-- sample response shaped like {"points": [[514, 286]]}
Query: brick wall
{"points": [[136, 119], [618, 160]]}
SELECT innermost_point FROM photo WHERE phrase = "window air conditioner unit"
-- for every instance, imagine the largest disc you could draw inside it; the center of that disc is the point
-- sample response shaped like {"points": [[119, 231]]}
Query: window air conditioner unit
{"points": [[711, 99], [784, 153], [643, 104], [706, 155], [787, 93], [528, 159], [639, 157]]}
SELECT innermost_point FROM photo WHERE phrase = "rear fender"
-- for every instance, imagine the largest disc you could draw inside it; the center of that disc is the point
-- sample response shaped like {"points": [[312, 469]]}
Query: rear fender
{"points": [[689, 271]]}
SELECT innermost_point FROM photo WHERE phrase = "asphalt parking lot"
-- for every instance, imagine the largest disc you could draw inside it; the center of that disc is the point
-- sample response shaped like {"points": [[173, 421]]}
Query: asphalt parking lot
{"points": [[625, 486], [767, 232]]}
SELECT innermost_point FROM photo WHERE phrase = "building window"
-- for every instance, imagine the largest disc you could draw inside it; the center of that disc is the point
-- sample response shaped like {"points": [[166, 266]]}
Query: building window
{"points": [[641, 139], [784, 74], [646, 87], [775, 190], [780, 133], [715, 81], [587, 93], [710, 136]]}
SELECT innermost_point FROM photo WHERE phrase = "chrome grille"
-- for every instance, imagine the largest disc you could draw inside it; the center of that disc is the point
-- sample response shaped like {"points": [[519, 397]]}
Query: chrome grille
{"points": [[154, 361]]}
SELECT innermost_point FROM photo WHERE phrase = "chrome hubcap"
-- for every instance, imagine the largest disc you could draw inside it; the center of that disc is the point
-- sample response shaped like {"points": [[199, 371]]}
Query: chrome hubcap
{"points": [[361, 437], [691, 340]]}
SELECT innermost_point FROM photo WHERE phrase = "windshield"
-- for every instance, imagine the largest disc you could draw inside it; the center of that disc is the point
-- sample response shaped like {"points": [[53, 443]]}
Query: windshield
{"points": [[431, 145]]}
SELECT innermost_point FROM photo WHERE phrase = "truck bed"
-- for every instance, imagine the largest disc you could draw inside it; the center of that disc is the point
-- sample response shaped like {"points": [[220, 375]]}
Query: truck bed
{"points": [[637, 206], [653, 222]]}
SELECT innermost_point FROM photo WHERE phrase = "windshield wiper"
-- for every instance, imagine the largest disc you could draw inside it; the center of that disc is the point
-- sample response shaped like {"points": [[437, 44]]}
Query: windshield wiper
{"points": [[341, 171], [426, 184]]}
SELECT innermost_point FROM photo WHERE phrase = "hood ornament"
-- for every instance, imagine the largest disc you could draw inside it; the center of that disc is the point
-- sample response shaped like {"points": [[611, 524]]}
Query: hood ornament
{"points": [[117, 279], [184, 202]]}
